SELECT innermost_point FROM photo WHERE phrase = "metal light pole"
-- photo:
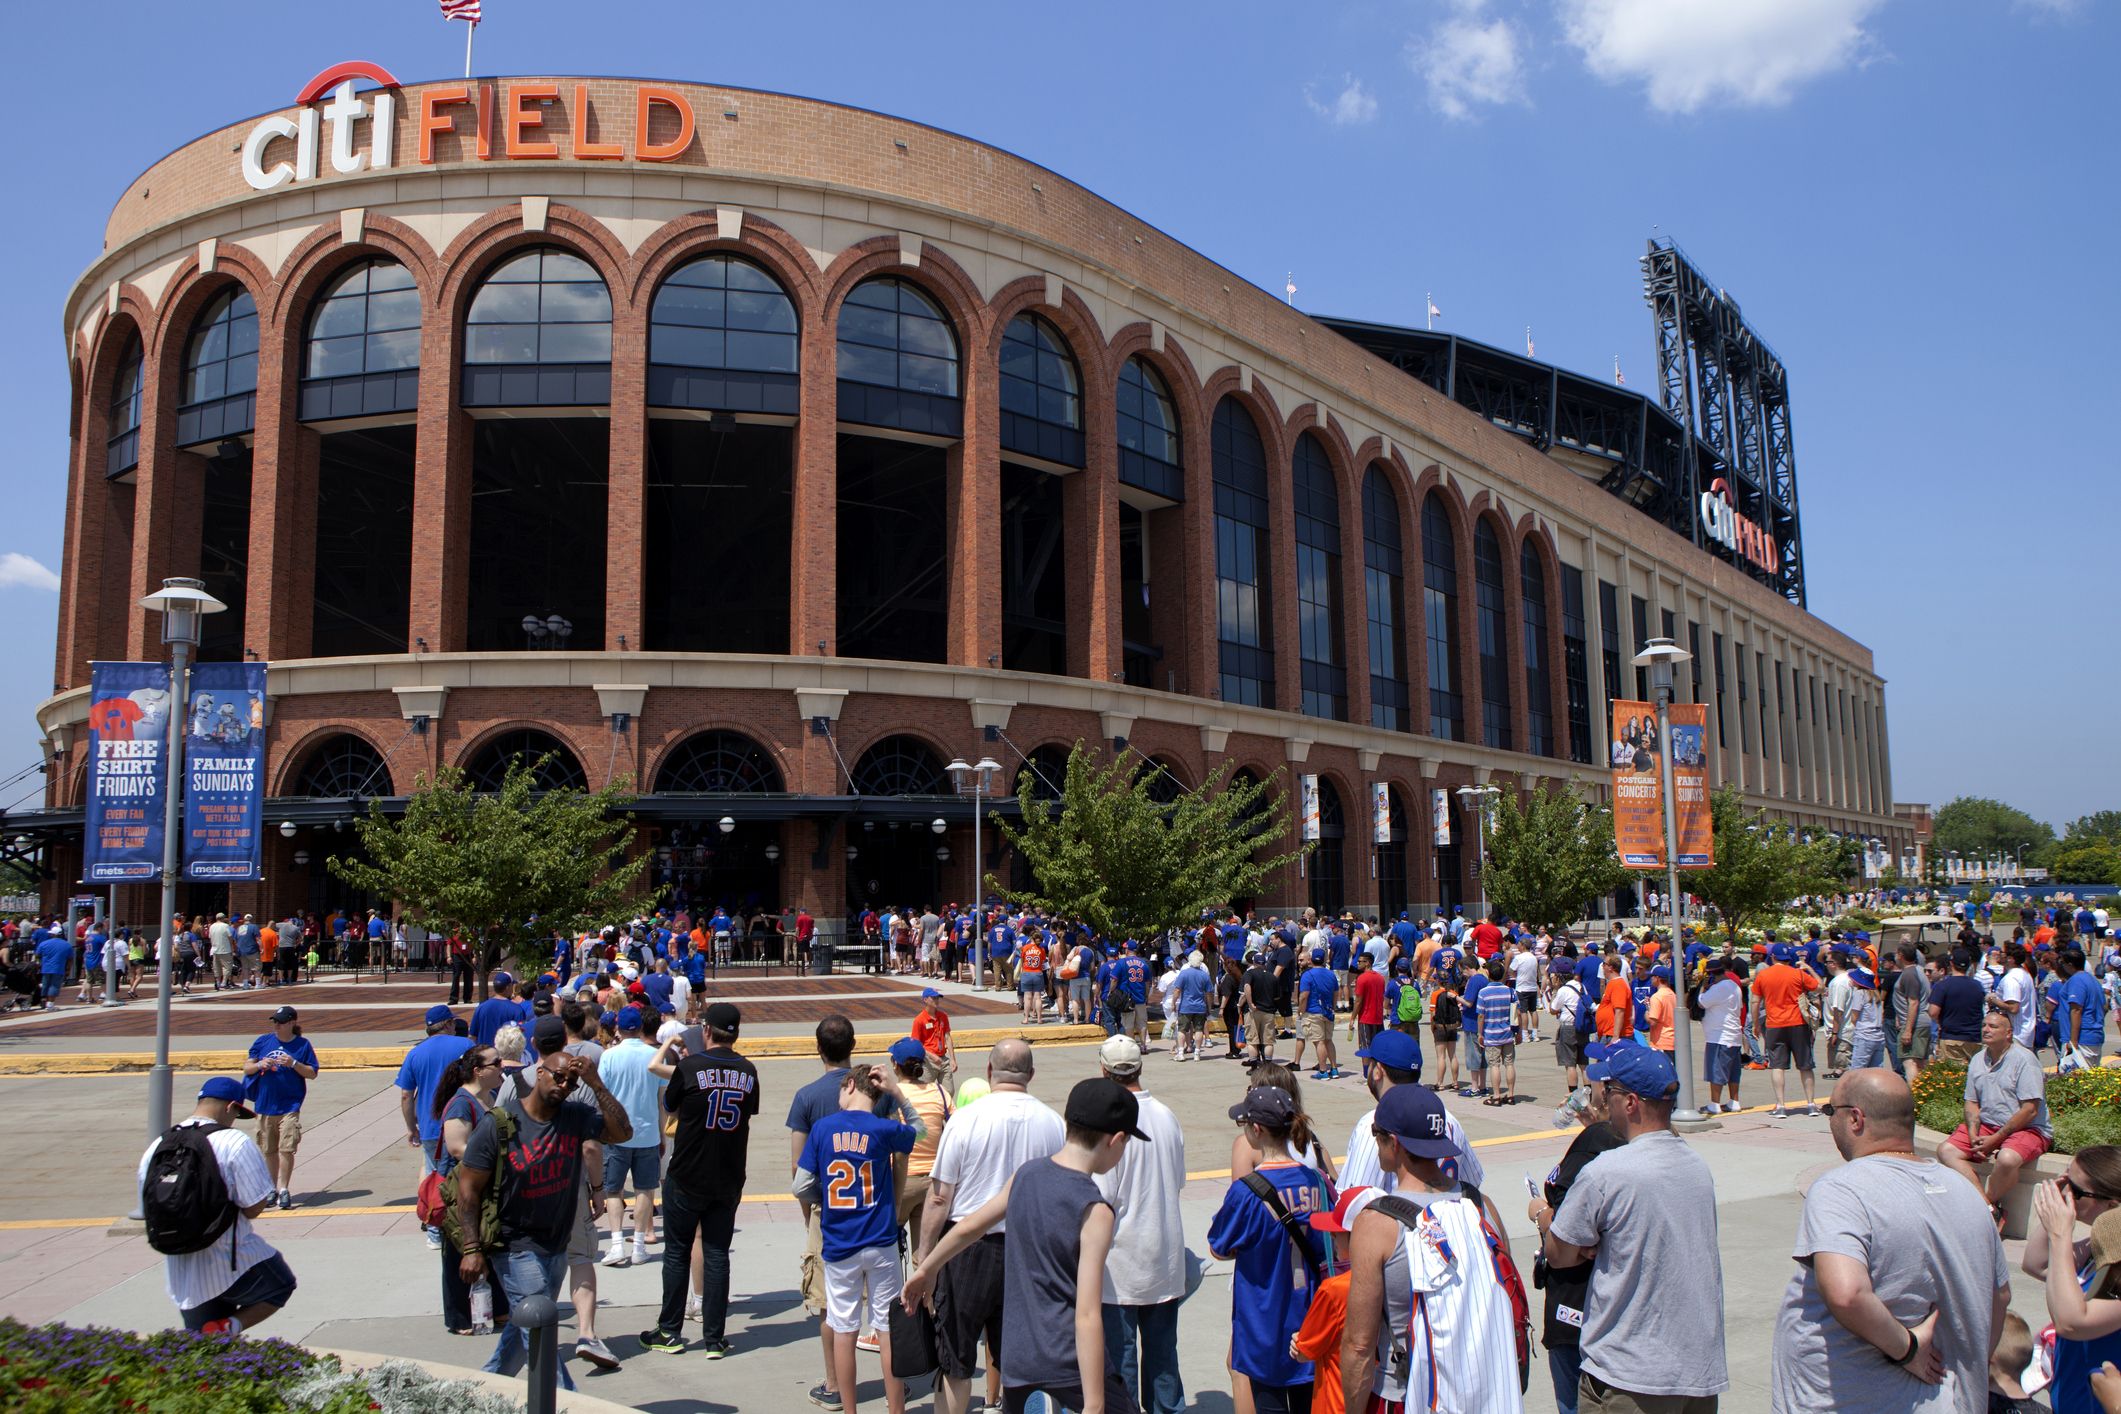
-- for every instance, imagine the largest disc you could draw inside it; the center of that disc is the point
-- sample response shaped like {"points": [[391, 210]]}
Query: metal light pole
{"points": [[973, 780], [181, 603], [1660, 656], [1475, 798]]}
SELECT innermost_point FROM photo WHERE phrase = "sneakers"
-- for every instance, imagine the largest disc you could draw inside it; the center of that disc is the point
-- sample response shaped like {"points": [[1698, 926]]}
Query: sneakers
{"points": [[1779, 1112], [1756, 1065], [824, 1398], [640, 1254], [866, 1341], [434, 1240], [599, 1354], [659, 1339], [694, 1310], [287, 1199], [229, 1326], [617, 1257], [1811, 1111], [716, 1349]]}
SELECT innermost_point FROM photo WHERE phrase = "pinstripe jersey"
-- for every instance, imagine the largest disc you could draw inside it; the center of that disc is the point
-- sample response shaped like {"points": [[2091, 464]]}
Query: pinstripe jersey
{"points": [[1452, 1350]]}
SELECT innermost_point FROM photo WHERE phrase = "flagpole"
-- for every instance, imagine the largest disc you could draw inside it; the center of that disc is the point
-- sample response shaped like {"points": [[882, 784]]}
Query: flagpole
{"points": [[469, 30], [1428, 303]]}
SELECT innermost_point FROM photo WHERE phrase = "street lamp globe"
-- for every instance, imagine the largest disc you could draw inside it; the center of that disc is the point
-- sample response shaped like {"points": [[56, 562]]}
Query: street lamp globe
{"points": [[725, 824], [287, 829], [938, 824]]}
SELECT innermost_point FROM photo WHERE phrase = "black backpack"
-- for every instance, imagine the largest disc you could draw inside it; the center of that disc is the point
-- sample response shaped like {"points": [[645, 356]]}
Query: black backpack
{"points": [[184, 1199]]}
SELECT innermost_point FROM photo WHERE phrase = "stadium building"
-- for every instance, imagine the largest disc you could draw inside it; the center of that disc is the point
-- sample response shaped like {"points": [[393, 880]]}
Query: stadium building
{"points": [[773, 453]]}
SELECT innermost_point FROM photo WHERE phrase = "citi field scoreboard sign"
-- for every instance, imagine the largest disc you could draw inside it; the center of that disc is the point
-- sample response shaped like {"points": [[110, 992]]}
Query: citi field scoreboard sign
{"points": [[505, 121], [1721, 523]]}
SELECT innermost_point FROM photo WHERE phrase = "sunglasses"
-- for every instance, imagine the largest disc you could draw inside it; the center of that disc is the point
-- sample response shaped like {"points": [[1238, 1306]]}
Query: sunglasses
{"points": [[2079, 1191], [1830, 1109]]}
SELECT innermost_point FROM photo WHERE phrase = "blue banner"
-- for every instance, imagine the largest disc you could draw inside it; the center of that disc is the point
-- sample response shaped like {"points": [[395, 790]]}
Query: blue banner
{"points": [[224, 771], [128, 737]]}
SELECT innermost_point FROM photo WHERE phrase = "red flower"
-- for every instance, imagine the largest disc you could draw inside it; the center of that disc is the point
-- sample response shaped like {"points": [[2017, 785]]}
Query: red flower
{"points": [[35, 1382]]}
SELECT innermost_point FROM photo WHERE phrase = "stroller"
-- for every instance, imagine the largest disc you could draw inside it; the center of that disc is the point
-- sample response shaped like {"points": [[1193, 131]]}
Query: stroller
{"points": [[24, 980]]}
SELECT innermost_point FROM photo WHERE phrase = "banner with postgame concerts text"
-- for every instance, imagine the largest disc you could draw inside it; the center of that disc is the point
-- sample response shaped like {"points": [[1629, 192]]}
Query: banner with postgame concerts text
{"points": [[1638, 792], [224, 771], [128, 736]]}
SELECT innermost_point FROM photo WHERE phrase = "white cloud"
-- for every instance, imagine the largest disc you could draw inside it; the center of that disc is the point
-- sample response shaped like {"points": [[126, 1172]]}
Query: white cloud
{"points": [[2052, 9], [1354, 104], [1469, 63], [1688, 54], [19, 571]]}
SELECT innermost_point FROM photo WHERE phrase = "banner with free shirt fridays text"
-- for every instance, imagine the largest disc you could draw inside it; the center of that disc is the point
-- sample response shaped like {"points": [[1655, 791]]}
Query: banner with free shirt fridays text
{"points": [[224, 771], [128, 737], [1638, 793]]}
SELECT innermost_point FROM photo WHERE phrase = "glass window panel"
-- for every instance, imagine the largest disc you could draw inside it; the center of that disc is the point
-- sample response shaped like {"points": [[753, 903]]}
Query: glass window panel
{"points": [[333, 358], [516, 270], [504, 304], [763, 353], [691, 348], [927, 336], [743, 275], [243, 336], [928, 375], [861, 364], [708, 274], [678, 304], [501, 343], [1056, 372], [395, 309], [1058, 408], [1019, 360], [388, 275], [211, 344], [872, 327], [768, 310], [396, 349], [208, 380], [1019, 397], [243, 374], [575, 343], [574, 304], [560, 267], [875, 294], [339, 316]]}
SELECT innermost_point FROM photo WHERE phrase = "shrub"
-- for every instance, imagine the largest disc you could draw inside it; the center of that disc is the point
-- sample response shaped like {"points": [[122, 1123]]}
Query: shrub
{"points": [[2084, 1105]]}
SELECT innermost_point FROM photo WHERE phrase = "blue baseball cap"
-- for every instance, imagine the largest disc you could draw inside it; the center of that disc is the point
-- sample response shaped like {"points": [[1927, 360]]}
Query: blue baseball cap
{"points": [[220, 1087], [1562, 966], [629, 1018], [929, 994], [1783, 952], [1861, 977], [1318, 954], [906, 1050], [438, 1013], [1393, 1048], [1414, 1116], [1627, 947], [1662, 972], [1639, 1069], [503, 979], [609, 1018]]}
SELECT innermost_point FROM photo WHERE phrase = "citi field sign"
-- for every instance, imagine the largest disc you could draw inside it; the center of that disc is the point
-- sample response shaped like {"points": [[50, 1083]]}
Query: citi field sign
{"points": [[505, 120], [1721, 522]]}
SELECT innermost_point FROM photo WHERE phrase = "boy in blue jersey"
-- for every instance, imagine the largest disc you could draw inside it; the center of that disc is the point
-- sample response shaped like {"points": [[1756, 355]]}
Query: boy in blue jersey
{"points": [[1497, 1032], [851, 1170], [1129, 997], [1317, 988], [1277, 1269], [1476, 1086]]}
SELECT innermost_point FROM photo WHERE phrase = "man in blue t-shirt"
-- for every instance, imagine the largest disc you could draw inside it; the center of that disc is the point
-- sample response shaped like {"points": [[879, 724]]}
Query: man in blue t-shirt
{"points": [[847, 1171], [1271, 1282], [276, 1080], [1194, 987], [1001, 946], [1406, 935], [418, 1078], [1470, 987], [1129, 995], [2080, 1006], [55, 954], [498, 1010], [1317, 988]]}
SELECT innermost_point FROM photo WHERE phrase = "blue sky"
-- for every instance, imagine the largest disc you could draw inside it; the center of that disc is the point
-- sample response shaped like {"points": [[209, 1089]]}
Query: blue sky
{"points": [[1914, 203]]}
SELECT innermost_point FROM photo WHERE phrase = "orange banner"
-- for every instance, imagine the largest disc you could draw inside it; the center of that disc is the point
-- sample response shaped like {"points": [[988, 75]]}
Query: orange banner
{"points": [[1638, 791]]}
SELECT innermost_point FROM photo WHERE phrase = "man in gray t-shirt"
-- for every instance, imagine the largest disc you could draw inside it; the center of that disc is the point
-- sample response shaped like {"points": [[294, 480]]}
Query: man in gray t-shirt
{"points": [[1999, 1087], [1654, 1322], [1907, 1231]]}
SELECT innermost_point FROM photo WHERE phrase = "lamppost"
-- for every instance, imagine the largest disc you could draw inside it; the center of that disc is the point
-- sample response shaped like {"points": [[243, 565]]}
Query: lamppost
{"points": [[975, 780], [2018, 862], [181, 603], [1475, 798], [1660, 656]]}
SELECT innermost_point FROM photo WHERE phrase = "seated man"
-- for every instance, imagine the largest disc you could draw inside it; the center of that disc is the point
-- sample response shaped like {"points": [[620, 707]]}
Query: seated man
{"points": [[2006, 1113]]}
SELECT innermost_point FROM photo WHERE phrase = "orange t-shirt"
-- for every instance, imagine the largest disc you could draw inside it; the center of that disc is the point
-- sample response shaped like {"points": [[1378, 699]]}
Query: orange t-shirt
{"points": [[1616, 1009], [1778, 987], [268, 944], [1318, 1340], [1031, 958], [1659, 1013], [2045, 933], [932, 1029], [1423, 951]]}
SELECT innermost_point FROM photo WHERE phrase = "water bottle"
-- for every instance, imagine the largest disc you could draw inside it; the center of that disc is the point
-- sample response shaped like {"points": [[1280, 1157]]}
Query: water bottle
{"points": [[1566, 1113], [481, 1308]]}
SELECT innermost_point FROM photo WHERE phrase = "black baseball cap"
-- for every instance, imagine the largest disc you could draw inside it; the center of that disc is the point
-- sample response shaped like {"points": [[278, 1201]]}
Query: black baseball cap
{"points": [[723, 1016], [1268, 1105], [1106, 1106], [549, 1034], [286, 1013]]}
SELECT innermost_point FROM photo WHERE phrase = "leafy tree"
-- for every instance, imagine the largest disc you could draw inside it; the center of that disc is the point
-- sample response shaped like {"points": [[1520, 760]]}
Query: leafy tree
{"points": [[1111, 856], [1761, 864], [1548, 856], [1978, 827], [2093, 860], [2099, 825], [506, 867]]}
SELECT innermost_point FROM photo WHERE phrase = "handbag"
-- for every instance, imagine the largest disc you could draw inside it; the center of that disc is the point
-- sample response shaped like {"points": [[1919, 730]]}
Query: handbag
{"points": [[912, 1340], [428, 1205]]}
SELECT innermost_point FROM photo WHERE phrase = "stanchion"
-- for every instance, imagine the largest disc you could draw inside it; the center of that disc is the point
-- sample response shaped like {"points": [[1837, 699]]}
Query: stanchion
{"points": [[539, 1319]]}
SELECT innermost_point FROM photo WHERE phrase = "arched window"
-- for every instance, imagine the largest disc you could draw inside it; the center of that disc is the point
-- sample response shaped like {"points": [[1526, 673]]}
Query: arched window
{"points": [[1492, 615], [1243, 618], [362, 355], [1047, 767], [900, 765], [218, 397], [1384, 588], [538, 334], [1324, 868], [722, 335], [1165, 784], [1041, 393], [340, 767], [122, 444], [1439, 612], [898, 360], [1538, 678], [718, 763], [1318, 613], [1148, 433], [555, 766]]}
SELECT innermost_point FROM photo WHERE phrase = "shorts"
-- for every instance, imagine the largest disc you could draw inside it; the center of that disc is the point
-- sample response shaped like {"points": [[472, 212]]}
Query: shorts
{"points": [[874, 1270], [2027, 1144], [1264, 1024], [1281, 1399], [1789, 1045], [1016, 1399], [55, 983], [1476, 1054], [1501, 1053], [582, 1242], [968, 1306], [1316, 1028], [1138, 1019], [644, 1165], [1568, 1046], [1527, 1003], [1192, 1023], [1917, 1049], [810, 1279], [279, 1133], [1959, 1051], [1026, 982], [1722, 1065], [1079, 991], [1365, 1033], [270, 1283], [1445, 1035]]}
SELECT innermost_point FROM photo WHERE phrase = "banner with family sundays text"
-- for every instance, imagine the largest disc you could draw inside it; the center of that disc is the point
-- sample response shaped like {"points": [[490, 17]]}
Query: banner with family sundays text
{"points": [[1638, 792], [224, 771], [128, 736]]}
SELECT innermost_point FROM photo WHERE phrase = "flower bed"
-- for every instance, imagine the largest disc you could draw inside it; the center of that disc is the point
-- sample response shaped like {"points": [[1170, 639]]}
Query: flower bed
{"points": [[2085, 1105], [50, 1369]]}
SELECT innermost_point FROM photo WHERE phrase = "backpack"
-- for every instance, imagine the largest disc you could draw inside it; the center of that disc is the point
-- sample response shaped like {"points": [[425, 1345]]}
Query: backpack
{"points": [[1299, 1230], [1446, 1009], [1586, 1012], [504, 1125], [1407, 1214], [1409, 1003], [184, 1199]]}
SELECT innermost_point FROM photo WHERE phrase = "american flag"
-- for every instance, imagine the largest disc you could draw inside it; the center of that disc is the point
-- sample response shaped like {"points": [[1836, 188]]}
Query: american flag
{"points": [[1289, 288], [1434, 312], [1618, 376], [1529, 351], [461, 10]]}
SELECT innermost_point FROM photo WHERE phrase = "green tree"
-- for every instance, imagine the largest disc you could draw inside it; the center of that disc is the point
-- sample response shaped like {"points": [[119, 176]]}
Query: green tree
{"points": [[1548, 856], [504, 868], [1978, 828], [1111, 856], [2099, 825], [1761, 864], [2092, 860]]}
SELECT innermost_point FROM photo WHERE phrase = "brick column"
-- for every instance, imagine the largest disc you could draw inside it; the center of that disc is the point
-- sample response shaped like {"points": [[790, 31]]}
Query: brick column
{"points": [[1280, 608], [626, 492], [441, 497], [813, 575], [974, 516], [281, 589], [1090, 542], [164, 479], [1355, 615]]}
